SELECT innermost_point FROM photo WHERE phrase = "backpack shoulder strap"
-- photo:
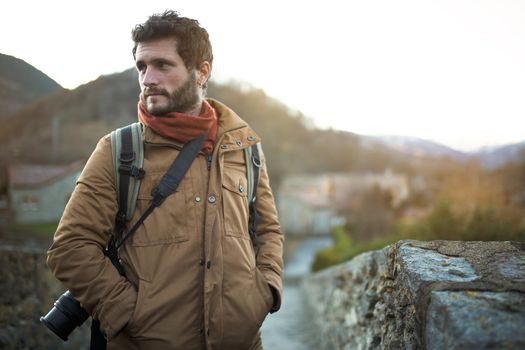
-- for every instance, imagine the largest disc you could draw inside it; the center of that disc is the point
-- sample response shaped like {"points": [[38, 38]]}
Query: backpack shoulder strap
{"points": [[128, 159], [253, 159], [253, 156]]}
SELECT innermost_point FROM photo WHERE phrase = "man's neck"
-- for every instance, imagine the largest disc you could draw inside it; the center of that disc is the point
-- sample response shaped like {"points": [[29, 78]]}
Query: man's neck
{"points": [[196, 110]]}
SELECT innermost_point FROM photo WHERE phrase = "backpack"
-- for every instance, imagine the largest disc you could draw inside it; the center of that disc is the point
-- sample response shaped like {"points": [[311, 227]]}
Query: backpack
{"points": [[128, 160]]}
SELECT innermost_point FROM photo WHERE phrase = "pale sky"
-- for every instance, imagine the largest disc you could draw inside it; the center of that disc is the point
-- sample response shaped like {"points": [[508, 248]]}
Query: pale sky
{"points": [[452, 71]]}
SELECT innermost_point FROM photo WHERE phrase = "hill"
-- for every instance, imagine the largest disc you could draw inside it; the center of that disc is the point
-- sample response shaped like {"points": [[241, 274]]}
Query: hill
{"points": [[65, 126], [20, 84], [420, 147], [494, 157], [489, 157]]}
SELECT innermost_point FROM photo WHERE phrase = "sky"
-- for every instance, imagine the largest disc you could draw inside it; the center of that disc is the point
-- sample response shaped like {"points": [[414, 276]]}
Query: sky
{"points": [[451, 71]]}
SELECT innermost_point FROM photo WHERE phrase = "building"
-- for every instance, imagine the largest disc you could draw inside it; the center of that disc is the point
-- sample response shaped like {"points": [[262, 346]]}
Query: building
{"points": [[306, 214], [39, 193], [311, 204]]}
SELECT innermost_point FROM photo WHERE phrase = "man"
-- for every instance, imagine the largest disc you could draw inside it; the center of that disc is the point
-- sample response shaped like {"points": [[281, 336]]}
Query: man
{"points": [[192, 277]]}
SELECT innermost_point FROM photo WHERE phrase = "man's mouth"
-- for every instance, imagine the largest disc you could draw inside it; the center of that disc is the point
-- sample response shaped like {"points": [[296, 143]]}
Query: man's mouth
{"points": [[154, 94], [149, 93]]}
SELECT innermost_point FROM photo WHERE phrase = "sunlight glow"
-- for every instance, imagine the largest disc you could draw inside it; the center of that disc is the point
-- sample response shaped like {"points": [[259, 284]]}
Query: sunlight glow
{"points": [[450, 71]]}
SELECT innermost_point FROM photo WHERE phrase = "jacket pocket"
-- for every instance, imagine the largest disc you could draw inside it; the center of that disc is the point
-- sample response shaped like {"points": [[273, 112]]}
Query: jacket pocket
{"points": [[168, 223], [235, 203], [246, 302], [136, 321], [265, 292]]}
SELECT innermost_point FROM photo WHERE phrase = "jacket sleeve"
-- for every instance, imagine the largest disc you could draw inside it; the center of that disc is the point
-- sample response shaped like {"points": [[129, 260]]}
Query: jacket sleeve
{"points": [[270, 257], [76, 255]]}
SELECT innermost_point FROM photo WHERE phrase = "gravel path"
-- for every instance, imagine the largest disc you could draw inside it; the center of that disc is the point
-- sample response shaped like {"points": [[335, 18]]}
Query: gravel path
{"points": [[292, 327]]}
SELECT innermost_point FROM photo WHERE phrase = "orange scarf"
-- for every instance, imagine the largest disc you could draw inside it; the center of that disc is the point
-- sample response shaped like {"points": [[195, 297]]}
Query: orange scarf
{"points": [[182, 127]]}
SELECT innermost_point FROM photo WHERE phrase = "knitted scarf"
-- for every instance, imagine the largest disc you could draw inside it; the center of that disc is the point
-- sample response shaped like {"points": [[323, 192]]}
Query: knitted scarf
{"points": [[182, 127]]}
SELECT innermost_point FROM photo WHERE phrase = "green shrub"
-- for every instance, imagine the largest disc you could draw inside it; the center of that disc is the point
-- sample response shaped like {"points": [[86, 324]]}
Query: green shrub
{"points": [[345, 248], [325, 258], [442, 223], [487, 224], [483, 224], [335, 254]]}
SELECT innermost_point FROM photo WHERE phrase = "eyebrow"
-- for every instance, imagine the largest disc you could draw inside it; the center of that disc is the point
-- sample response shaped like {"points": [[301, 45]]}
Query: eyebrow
{"points": [[155, 61]]}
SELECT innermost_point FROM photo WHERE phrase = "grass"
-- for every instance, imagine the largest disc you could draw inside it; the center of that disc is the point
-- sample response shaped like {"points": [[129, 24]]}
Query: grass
{"points": [[344, 248], [40, 230]]}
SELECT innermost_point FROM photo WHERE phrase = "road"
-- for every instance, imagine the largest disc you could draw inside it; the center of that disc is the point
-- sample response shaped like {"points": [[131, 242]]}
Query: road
{"points": [[292, 328]]}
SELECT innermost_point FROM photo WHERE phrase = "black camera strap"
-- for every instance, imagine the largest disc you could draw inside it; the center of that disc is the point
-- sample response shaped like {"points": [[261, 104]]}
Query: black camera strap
{"points": [[167, 186], [169, 182]]}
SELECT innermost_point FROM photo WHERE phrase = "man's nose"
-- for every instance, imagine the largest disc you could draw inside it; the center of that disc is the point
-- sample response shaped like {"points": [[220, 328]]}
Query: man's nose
{"points": [[150, 77]]}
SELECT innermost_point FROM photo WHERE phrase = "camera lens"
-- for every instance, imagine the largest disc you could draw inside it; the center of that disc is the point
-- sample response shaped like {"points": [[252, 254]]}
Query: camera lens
{"points": [[65, 316]]}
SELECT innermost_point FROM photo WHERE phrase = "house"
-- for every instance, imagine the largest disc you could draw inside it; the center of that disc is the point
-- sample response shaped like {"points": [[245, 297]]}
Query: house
{"points": [[310, 204], [39, 193], [304, 213], [305, 206]]}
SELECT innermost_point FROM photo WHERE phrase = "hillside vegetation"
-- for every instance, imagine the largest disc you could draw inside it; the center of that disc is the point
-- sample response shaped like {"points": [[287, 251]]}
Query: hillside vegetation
{"points": [[65, 126]]}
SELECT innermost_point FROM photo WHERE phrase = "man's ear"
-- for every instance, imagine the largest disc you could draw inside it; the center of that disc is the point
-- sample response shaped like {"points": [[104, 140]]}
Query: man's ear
{"points": [[203, 73]]}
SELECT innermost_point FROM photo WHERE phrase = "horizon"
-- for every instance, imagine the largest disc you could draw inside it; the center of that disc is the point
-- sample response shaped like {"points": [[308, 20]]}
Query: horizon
{"points": [[448, 72]]}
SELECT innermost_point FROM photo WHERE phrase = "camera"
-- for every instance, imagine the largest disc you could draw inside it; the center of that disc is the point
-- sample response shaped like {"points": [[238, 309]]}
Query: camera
{"points": [[67, 313], [65, 316]]}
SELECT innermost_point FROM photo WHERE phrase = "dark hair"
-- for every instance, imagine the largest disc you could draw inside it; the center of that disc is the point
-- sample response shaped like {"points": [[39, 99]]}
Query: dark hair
{"points": [[193, 42]]}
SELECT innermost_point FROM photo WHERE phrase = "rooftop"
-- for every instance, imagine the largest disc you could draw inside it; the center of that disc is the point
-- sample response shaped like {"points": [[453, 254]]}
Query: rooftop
{"points": [[30, 175]]}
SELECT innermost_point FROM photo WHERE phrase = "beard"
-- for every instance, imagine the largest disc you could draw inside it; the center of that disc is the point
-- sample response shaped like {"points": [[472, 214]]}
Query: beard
{"points": [[181, 100]]}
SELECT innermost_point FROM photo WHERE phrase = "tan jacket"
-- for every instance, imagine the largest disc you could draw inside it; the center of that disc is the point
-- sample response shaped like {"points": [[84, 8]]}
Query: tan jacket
{"points": [[192, 280]]}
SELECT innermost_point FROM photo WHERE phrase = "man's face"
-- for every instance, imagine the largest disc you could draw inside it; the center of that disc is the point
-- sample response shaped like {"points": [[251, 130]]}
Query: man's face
{"points": [[166, 84]]}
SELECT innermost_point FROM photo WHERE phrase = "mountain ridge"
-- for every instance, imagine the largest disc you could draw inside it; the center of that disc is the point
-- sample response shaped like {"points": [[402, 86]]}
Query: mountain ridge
{"points": [[65, 125], [20, 84], [489, 157]]}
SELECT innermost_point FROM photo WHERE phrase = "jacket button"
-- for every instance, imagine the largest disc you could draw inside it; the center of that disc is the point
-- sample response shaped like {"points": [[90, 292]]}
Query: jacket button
{"points": [[238, 142], [224, 146], [241, 188], [197, 199], [250, 138], [208, 264], [212, 199], [201, 262]]}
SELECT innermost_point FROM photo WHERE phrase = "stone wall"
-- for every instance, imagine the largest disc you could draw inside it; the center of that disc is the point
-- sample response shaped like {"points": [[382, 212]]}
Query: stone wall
{"points": [[27, 291], [410, 295], [424, 295]]}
